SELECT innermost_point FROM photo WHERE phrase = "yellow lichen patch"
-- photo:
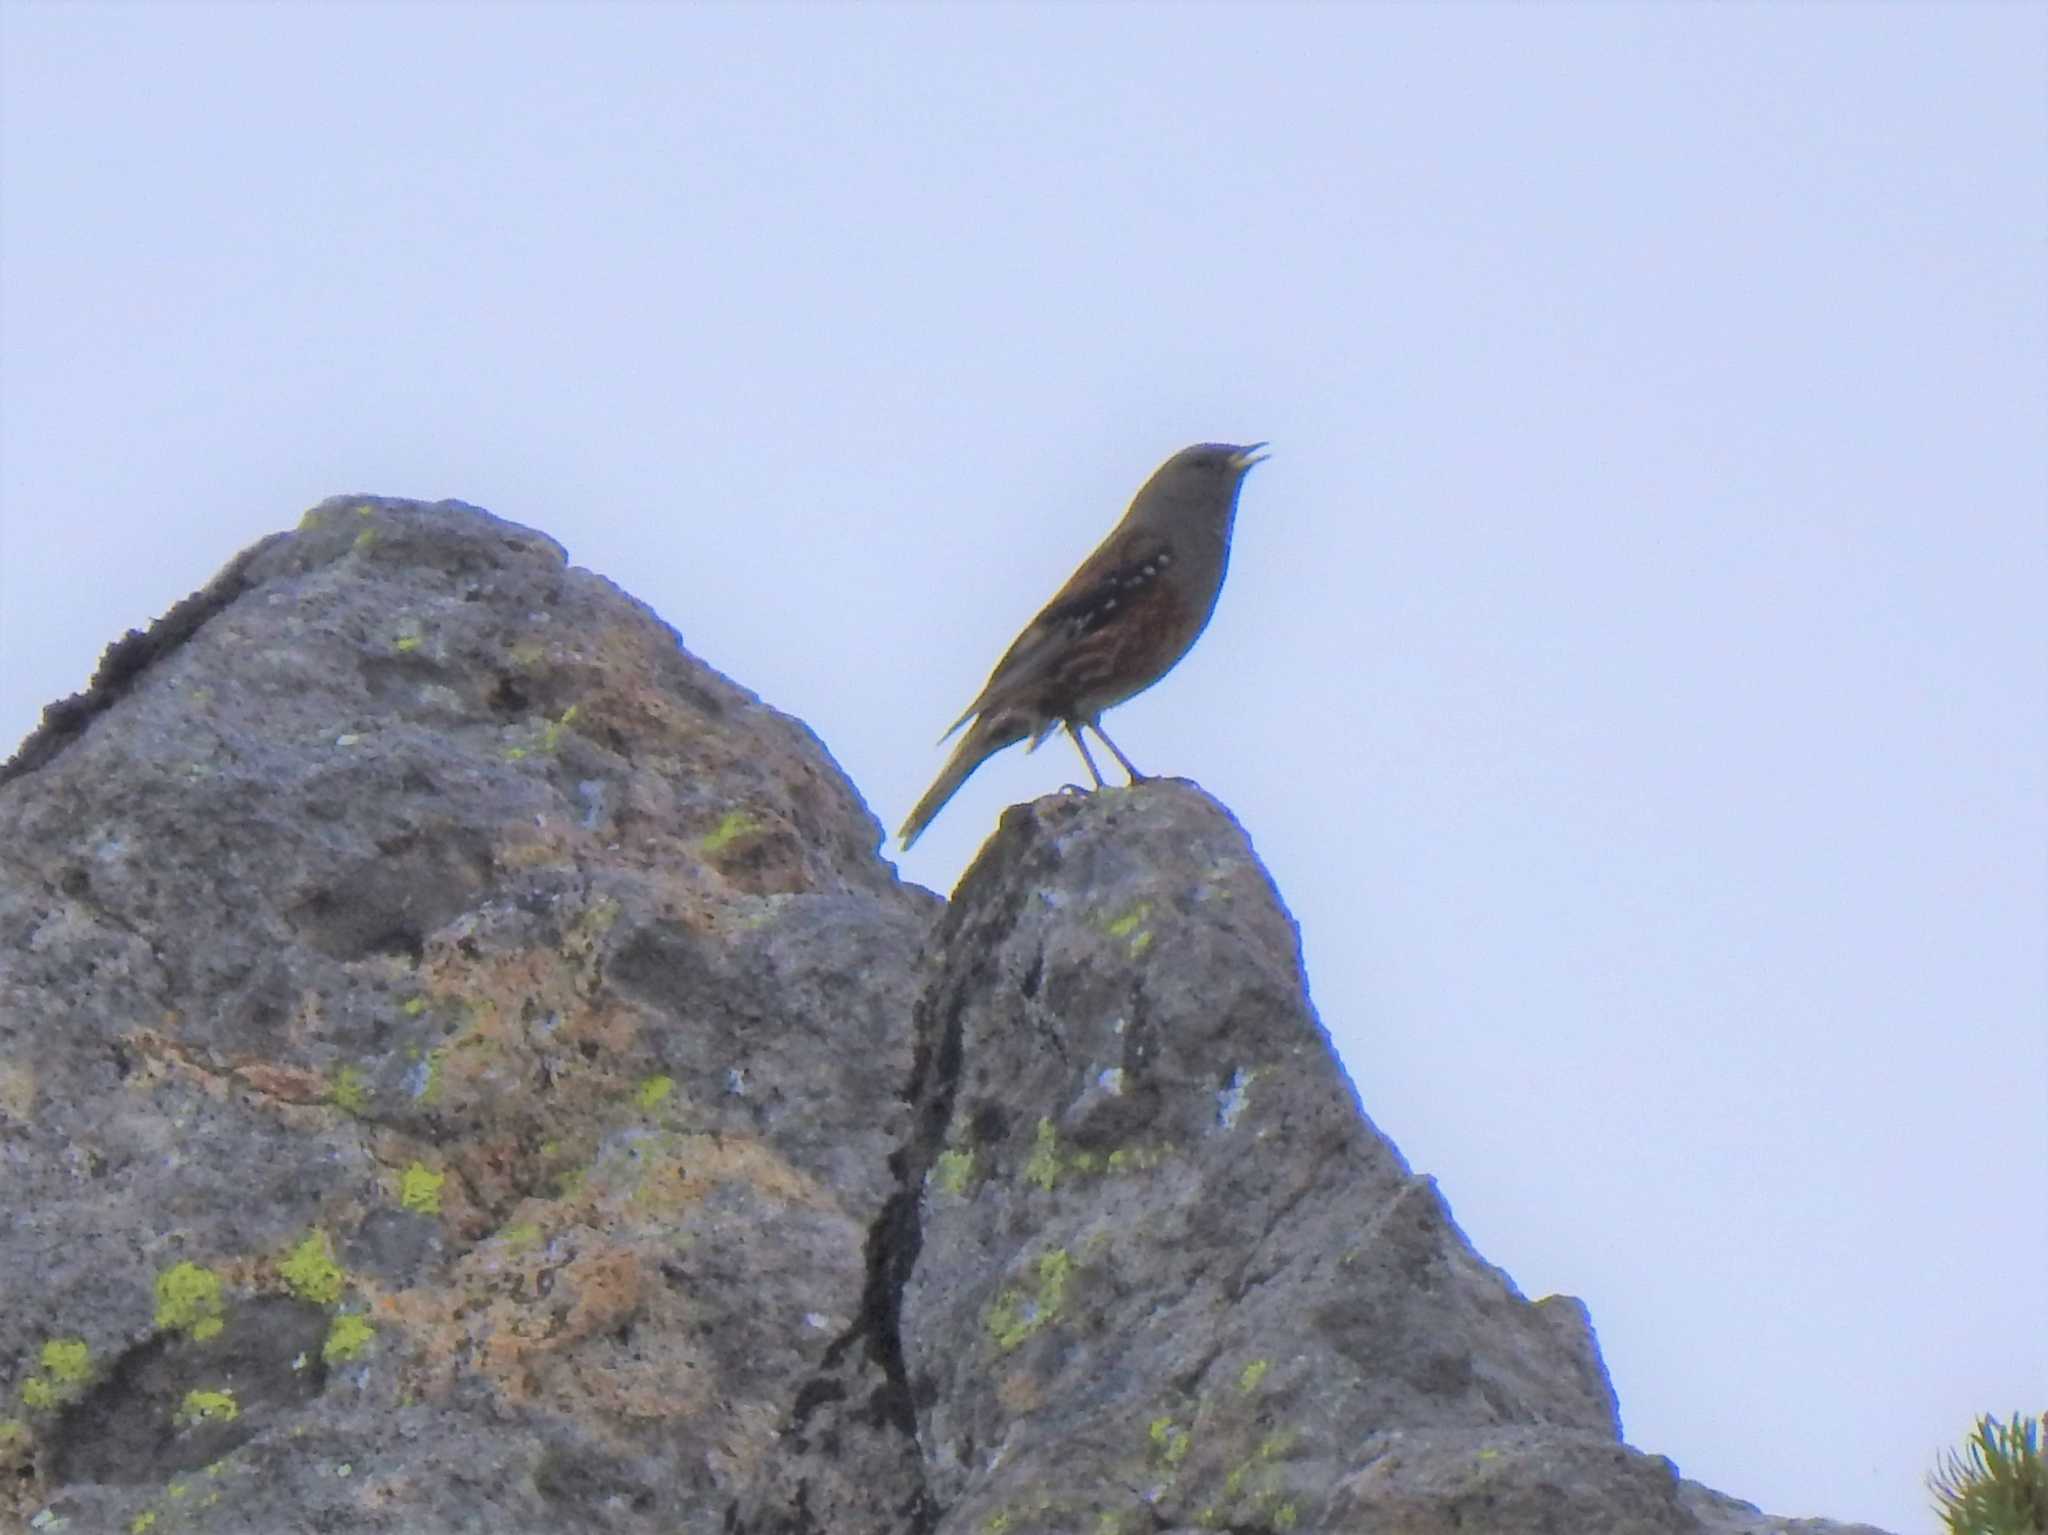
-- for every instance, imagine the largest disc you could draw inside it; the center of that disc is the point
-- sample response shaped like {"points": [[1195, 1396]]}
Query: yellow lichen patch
{"points": [[551, 737], [188, 1300], [349, 1090], [142, 1521], [1276, 1444], [419, 1189], [519, 1236], [66, 1366], [733, 826], [428, 1075], [652, 1091], [1019, 1311], [1248, 1379], [311, 1273], [1043, 1165], [953, 1171], [1170, 1441], [208, 1407], [1131, 1159], [347, 1336], [1130, 926]]}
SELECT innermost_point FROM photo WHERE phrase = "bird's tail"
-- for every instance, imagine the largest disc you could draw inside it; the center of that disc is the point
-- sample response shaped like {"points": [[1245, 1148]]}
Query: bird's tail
{"points": [[985, 737]]}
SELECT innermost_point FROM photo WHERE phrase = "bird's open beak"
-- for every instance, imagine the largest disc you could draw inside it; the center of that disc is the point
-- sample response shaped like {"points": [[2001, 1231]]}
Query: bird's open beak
{"points": [[1248, 455]]}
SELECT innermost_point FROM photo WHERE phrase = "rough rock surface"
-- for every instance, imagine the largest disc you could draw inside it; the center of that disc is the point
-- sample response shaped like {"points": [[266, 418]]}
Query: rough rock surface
{"points": [[463, 1067]]}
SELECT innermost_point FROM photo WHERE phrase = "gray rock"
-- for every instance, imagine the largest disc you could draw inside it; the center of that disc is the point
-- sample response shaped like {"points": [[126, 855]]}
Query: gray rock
{"points": [[463, 1067]]}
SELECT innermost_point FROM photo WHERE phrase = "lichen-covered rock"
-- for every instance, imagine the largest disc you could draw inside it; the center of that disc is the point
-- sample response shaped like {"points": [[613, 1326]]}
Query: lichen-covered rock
{"points": [[1169, 1275], [451, 1043], [463, 1067]]}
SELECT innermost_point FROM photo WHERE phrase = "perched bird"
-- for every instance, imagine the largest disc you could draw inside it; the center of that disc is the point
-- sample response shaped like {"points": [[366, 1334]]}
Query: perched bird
{"points": [[1132, 610]]}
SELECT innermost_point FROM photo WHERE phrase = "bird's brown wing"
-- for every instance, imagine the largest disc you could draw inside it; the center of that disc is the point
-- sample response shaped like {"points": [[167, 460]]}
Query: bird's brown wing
{"points": [[1072, 649]]}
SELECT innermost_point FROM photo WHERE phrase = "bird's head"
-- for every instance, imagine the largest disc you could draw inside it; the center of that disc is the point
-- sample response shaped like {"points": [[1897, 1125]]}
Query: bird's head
{"points": [[1199, 484]]}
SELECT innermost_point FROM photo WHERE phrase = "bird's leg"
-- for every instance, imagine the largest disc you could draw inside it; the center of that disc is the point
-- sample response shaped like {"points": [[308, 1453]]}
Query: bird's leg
{"points": [[1081, 746], [1129, 767]]}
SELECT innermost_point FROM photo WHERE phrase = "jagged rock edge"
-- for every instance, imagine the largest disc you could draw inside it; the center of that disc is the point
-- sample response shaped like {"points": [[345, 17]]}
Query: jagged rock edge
{"points": [[126, 659]]}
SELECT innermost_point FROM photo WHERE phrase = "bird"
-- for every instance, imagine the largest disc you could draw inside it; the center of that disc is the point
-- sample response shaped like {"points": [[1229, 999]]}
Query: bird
{"points": [[1122, 621]]}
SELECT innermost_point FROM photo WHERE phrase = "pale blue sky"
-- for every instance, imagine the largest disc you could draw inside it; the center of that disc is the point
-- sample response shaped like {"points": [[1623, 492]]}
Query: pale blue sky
{"points": [[1633, 667]]}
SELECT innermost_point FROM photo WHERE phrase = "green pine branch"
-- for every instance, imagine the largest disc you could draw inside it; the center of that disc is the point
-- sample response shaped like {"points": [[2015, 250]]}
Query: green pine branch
{"points": [[1998, 1483]]}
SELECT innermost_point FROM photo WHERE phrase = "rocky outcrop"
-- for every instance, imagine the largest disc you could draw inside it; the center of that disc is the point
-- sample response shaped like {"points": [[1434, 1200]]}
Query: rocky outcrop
{"points": [[463, 1066]]}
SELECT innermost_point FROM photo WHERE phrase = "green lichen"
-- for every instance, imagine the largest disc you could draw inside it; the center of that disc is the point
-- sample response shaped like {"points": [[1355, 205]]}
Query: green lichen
{"points": [[142, 1521], [551, 737], [188, 1300], [1127, 1159], [349, 1091], [1249, 1378], [365, 538], [414, 1006], [1128, 923], [953, 1171], [1043, 1166], [1170, 1441], [998, 1522], [406, 644], [430, 1078], [347, 1336], [67, 1365], [1018, 1313], [1131, 927], [1285, 1517], [736, 824], [311, 1273], [67, 1361], [652, 1091], [419, 1189], [1276, 1444], [208, 1407], [521, 1234]]}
